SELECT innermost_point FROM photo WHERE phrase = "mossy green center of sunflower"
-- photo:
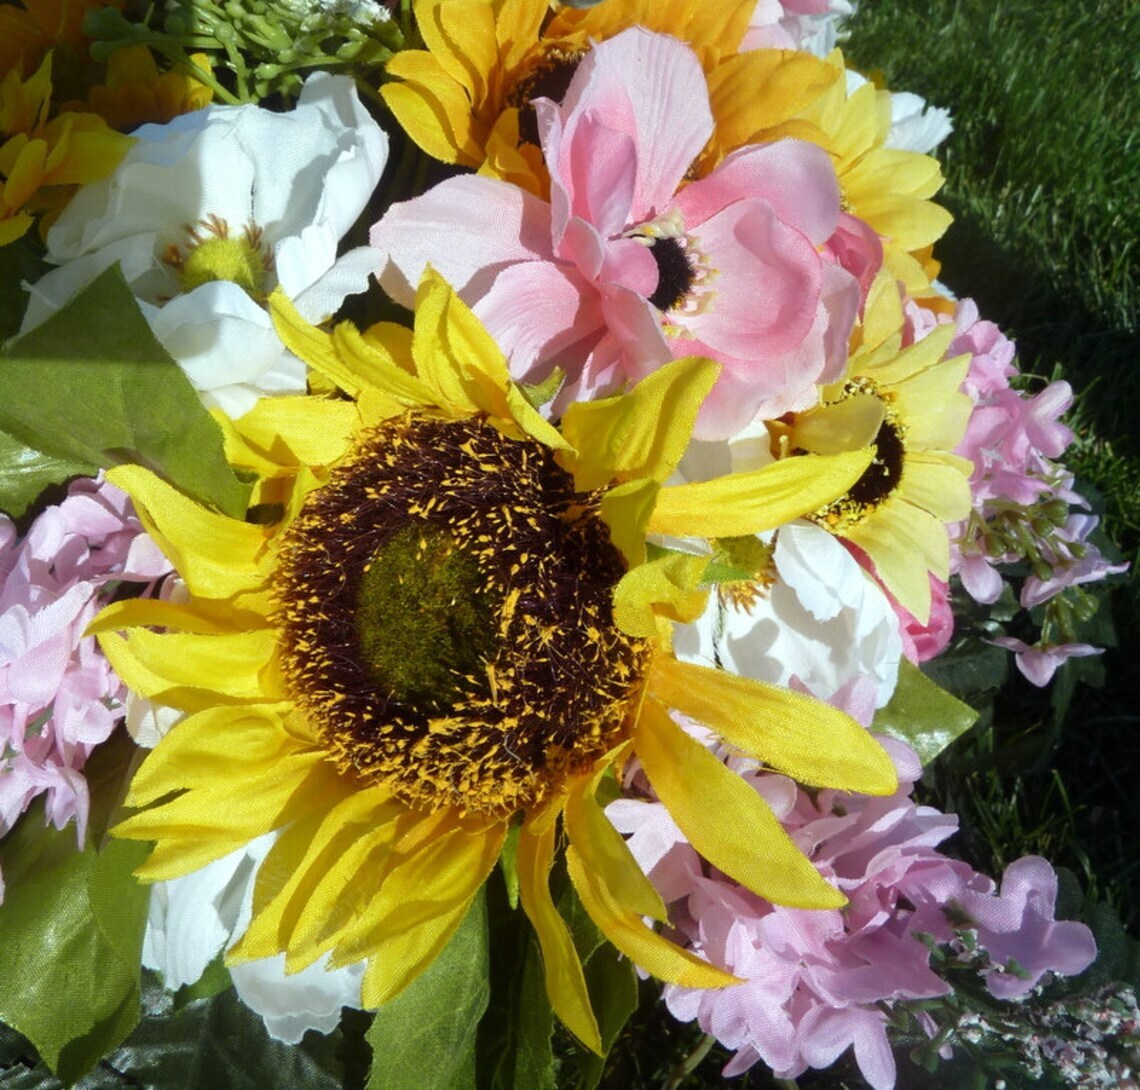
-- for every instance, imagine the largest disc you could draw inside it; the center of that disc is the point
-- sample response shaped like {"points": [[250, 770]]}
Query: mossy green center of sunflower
{"points": [[446, 618]]}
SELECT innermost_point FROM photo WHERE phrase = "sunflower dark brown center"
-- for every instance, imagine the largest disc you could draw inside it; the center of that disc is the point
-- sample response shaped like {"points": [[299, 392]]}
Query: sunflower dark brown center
{"points": [[548, 78], [675, 273], [881, 477], [446, 619]]}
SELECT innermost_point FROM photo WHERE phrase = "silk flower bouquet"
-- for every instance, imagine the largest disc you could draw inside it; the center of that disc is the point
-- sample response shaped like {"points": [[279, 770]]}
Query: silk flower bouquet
{"points": [[481, 480]]}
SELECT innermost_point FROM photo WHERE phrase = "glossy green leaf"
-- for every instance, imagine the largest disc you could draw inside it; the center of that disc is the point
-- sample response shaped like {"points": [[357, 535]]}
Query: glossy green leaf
{"points": [[425, 1037], [923, 715], [92, 386], [220, 1044], [25, 473], [71, 930]]}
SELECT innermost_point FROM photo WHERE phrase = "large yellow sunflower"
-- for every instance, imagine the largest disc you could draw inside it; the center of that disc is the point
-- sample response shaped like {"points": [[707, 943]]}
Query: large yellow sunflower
{"points": [[907, 402], [438, 622]]}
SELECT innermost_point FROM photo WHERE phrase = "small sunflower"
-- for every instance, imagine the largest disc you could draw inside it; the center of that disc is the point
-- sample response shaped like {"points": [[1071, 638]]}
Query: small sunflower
{"points": [[888, 188], [30, 28], [42, 160], [466, 98], [136, 92], [439, 623], [908, 403]]}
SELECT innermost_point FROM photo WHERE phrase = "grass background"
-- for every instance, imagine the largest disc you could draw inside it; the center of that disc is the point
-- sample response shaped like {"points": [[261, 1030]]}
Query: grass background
{"points": [[1043, 178]]}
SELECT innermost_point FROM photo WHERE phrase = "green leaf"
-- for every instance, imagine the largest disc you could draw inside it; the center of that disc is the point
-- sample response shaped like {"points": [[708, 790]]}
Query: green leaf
{"points": [[92, 387], [25, 473], [425, 1037], [71, 930], [923, 715], [19, 261], [514, 1046], [220, 1044], [612, 982]]}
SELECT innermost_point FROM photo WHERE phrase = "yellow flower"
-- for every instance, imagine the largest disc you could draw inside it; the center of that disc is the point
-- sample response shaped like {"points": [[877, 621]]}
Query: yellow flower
{"points": [[889, 188], [28, 30], [41, 160], [447, 628], [466, 98], [136, 92], [908, 402]]}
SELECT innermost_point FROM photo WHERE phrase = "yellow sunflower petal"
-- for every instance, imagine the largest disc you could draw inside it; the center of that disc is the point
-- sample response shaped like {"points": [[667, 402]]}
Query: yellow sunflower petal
{"points": [[626, 930], [462, 365], [218, 746], [809, 740], [191, 671], [939, 483], [421, 903], [565, 981], [759, 90], [740, 836], [762, 499], [202, 825], [843, 425], [626, 510], [323, 891], [218, 557], [604, 851], [667, 587], [906, 545], [642, 433], [295, 431]]}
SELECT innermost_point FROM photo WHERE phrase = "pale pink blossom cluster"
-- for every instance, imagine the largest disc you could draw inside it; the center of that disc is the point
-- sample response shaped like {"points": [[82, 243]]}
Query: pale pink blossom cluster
{"points": [[1022, 496], [817, 982], [59, 697]]}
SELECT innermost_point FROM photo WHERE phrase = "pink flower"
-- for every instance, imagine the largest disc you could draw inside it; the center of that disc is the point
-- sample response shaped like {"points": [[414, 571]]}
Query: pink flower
{"points": [[623, 270], [819, 982], [1039, 664], [1019, 933], [58, 695], [1072, 558], [922, 642]]}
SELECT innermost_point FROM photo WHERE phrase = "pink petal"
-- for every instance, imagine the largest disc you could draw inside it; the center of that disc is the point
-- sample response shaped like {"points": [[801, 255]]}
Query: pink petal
{"points": [[593, 168], [796, 178], [663, 109], [536, 310], [466, 228], [769, 283]]}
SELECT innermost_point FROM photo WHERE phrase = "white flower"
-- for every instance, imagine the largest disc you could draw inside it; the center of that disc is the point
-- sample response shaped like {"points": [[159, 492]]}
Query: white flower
{"points": [[823, 621], [194, 917], [281, 189], [811, 26], [915, 124]]}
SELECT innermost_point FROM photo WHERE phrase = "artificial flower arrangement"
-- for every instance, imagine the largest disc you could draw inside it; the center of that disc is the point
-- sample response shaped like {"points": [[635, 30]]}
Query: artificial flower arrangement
{"points": [[480, 482]]}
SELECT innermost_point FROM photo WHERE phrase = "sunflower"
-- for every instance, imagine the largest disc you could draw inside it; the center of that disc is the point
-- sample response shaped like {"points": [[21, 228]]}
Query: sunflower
{"points": [[465, 99], [439, 624], [42, 160], [888, 188], [30, 28], [908, 403]]}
